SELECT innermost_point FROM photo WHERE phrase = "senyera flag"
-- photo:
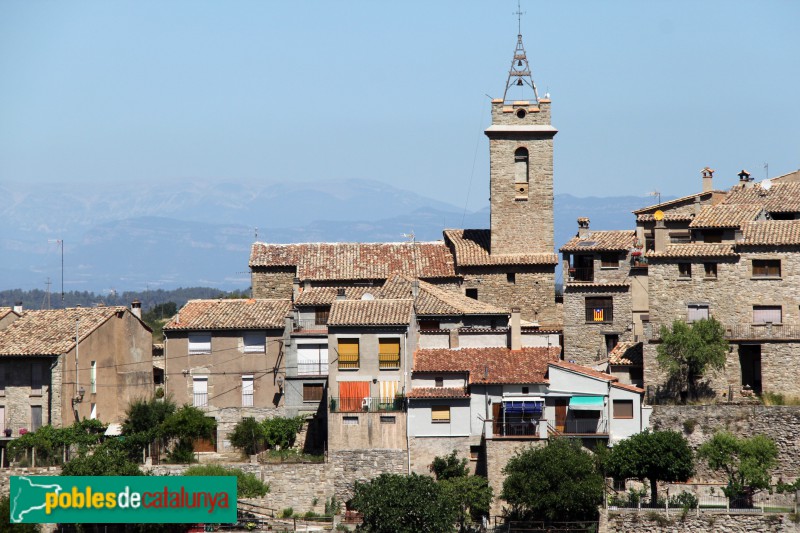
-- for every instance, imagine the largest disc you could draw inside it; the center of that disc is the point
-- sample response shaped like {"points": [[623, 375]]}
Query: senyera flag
{"points": [[121, 499]]}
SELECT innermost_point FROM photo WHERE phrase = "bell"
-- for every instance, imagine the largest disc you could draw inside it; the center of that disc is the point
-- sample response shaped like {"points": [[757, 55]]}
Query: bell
{"points": [[519, 62], [519, 81]]}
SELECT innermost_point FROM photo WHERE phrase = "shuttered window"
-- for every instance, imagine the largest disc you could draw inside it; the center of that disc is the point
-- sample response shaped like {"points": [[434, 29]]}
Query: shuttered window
{"points": [[623, 408], [36, 379], [440, 414], [200, 392], [767, 313], [247, 391], [254, 342], [199, 343], [599, 309], [348, 353], [312, 392], [697, 312], [388, 390], [388, 353], [766, 268]]}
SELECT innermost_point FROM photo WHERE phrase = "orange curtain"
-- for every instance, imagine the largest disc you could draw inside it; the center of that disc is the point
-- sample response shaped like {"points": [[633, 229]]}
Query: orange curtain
{"points": [[352, 394]]}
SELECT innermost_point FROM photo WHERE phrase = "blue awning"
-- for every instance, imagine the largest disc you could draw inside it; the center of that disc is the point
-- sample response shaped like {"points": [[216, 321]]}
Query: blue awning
{"points": [[586, 403], [523, 407]]}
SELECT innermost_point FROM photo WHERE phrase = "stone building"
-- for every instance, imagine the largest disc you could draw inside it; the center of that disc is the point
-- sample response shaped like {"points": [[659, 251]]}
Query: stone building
{"points": [[8, 315], [46, 377], [225, 357]]}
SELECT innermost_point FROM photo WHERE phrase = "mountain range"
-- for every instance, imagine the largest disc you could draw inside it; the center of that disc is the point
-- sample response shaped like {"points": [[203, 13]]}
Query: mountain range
{"points": [[134, 236]]}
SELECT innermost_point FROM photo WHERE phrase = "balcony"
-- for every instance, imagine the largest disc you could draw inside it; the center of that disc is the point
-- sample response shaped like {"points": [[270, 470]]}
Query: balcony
{"points": [[309, 325], [367, 405], [599, 314], [581, 275], [317, 368], [529, 430], [584, 426], [762, 332]]}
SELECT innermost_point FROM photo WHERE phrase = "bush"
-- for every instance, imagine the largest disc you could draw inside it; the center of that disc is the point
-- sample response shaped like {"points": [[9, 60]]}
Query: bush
{"points": [[280, 432], [247, 484], [287, 513], [248, 436], [684, 500]]}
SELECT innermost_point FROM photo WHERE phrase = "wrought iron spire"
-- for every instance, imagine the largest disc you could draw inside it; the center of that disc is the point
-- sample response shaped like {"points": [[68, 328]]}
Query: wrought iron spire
{"points": [[520, 72]]}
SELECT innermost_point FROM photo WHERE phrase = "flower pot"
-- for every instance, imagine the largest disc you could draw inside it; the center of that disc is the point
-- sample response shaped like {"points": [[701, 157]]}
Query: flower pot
{"points": [[8, 432]]}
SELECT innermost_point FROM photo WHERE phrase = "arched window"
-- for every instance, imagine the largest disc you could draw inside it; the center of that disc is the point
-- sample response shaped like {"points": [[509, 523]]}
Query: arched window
{"points": [[521, 165]]}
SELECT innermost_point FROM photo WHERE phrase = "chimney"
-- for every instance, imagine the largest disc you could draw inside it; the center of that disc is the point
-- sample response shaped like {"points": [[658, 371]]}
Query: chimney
{"points": [[340, 294], [661, 237], [516, 329], [136, 309], [295, 289], [583, 227], [708, 179], [415, 288], [744, 178], [18, 307], [288, 327], [454, 337]]}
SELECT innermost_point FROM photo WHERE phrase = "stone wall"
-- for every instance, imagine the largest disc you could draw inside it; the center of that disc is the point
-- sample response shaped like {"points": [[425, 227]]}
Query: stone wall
{"points": [[498, 452], [273, 283], [423, 450], [780, 423], [650, 522], [17, 397], [349, 466], [584, 342], [533, 289]]}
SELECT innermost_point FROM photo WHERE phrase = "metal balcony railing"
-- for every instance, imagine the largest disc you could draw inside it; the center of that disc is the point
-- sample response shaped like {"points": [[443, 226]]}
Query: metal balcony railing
{"points": [[367, 405], [317, 368], [599, 314], [516, 429], [309, 324], [762, 331], [585, 426], [200, 399]]}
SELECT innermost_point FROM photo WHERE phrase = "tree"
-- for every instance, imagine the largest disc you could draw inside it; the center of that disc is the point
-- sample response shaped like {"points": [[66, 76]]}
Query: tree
{"points": [[247, 484], [108, 459], [687, 351], [557, 482], [393, 503], [143, 420], [280, 432], [655, 456], [449, 466], [472, 494], [747, 462], [187, 424], [248, 435]]}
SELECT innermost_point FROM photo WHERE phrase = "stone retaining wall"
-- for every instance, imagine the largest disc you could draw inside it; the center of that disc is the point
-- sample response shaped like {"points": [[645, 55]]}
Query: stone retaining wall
{"points": [[651, 522], [349, 466]]}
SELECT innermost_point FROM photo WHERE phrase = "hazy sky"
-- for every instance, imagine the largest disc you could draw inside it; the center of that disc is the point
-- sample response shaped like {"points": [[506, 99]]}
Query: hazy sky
{"points": [[644, 94]]}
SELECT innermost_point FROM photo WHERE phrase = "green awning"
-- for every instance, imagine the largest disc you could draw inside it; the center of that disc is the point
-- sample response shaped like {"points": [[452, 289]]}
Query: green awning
{"points": [[586, 403]]}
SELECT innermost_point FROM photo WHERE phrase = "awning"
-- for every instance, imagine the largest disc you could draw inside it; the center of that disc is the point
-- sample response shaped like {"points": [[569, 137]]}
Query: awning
{"points": [[523, 407], [586, 403], [114, 430]]}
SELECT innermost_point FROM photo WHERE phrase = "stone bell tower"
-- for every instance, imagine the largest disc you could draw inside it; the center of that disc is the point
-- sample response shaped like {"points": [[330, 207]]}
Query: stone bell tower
{"points": [[521, 166]]}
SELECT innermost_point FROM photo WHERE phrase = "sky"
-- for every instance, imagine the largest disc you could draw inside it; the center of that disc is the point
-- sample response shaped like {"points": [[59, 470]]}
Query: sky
{"points": [[644, 94]]}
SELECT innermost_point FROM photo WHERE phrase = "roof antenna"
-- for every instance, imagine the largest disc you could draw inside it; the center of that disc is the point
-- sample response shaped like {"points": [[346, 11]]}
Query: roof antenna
{"points": [[256, 233]]}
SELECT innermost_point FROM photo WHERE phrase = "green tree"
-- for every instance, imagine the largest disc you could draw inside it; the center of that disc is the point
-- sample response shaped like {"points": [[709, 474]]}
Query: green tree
{"points": [[186, 425], [557, 482], [281, 431], [393, 503], [108, 459], [687, 351], [655, 456], [449, 466], [143, 421], [248, 436], [6, 526], [746, 462], [472, 494], [247, 484]]}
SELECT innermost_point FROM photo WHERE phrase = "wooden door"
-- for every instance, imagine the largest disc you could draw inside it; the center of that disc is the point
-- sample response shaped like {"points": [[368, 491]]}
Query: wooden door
{"points": [[497, 419], [561, 414]]}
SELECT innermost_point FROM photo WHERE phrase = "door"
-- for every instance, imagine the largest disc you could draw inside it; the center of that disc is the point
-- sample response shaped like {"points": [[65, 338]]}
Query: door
{"points": [[750, 361], [497, 420], [561, 414], [206, 445]]}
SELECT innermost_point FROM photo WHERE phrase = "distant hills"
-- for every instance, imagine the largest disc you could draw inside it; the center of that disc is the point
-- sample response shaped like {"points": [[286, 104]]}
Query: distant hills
{"points": [[183, 233]]}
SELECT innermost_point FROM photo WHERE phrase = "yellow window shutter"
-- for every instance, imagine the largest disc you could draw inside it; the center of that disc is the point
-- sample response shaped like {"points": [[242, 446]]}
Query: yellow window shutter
{"points": [[348, 349], [440, 413]]}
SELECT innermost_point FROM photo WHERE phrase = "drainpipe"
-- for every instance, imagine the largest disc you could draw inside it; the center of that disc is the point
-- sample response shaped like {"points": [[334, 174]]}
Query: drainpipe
{"points": [[165, 363], [77, 344], [405, 394]]}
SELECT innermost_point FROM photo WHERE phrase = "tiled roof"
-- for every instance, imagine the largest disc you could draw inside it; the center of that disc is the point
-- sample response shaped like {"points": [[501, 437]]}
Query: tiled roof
{"points": [[578, 285], [626, 386], [5, 311], [780, 198], [370, 313], [489, 365], [695, 250], [626, 353], [331, 261], [52, 332], [434, 300], [601, 240], [771, 232], [230, 314], [725, 215], [670, 203], [668, 217], [327, 295], [472, 247], [583, 370], [438, 392]]}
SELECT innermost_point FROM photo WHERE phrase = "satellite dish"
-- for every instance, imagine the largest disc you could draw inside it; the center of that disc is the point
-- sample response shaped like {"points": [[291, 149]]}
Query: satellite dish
{"points": [[766, 185], [658, 215], [367, 296]]}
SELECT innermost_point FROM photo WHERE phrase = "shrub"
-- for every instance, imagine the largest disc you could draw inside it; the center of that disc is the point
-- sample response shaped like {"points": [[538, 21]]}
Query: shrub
{"points": [[248, 436], [689, 425], [287, 513], [280, 432], [247, 484]]}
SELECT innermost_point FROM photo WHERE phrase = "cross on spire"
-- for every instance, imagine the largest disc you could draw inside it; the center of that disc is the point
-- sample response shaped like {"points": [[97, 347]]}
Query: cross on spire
{"points": [[520, 72]]}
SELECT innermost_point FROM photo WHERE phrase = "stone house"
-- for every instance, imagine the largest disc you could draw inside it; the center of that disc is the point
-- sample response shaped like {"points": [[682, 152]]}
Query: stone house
{"points": [[46, 377], [9, 315], [225, 357]]}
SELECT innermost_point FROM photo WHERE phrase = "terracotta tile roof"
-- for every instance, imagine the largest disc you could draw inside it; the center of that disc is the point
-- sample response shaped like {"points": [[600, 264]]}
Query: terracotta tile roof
{"points": [[578, 285], [725, 215], [527, 365], [782, 197], [52, 332], [330, 261], [626, 353], [230, 314], [671, 203], [5, 311], [472, 247], [626, 386], [435, 300], [327, 295], [668, 217], [601, 240], [583, 370], [438, 392], [695, 250], [370, 313], [771, 232]]}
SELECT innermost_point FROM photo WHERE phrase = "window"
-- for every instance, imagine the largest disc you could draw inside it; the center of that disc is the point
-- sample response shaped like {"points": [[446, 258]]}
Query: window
{"points": [[254, 342], [609, 260], [36, 417], [763, 314], [2, 381], [471, 293], [348, 354], [710, 270], [599, 309], [623, 408], [714, 236], [474, 452], [312, 359], [312, 392], [684, 270], [611, 342], [93, 377], [525, 390], [36, 379], [696, 312], [93, 412], [247, 391], [440, 414], [199, 343], [511, 277], [321, 314], [388, 419], [200, 390], [428, 325], [438, 381], [388, 354], [766, 268], [521, 165], [350, 420]]}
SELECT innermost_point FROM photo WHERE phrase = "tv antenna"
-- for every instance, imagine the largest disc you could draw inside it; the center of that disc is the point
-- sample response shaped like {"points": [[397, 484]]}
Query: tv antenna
{"points": [[655, 194], [60, 243], [766, 170]]}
